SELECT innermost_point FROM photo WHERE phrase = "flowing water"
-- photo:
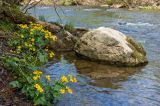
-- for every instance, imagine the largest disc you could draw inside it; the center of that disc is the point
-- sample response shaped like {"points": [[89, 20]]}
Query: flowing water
{"points": [[104, 85]]}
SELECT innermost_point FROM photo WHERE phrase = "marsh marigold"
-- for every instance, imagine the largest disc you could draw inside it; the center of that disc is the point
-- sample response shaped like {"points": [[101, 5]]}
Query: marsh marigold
{"points": [[64, 79], [38, 87], [48, 77], [62, 91], [37, 72]]}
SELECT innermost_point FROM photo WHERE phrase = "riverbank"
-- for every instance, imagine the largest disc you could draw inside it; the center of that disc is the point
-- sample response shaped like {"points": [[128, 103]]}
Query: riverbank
{"points": [[140, 4]]}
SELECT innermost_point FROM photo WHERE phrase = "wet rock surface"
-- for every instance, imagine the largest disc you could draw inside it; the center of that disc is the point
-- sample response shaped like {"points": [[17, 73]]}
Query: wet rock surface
{"points": [[110, 46]]}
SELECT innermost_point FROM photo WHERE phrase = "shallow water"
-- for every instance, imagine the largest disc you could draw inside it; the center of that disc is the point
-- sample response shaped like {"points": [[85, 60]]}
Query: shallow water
{"points": [[104, 85]]}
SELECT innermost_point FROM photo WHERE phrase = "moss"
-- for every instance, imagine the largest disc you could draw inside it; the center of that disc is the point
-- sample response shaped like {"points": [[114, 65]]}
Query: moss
{"points": [[139, 52], [14, 15], [69, 27], [149, 7], [68, 2], [109, 2]]}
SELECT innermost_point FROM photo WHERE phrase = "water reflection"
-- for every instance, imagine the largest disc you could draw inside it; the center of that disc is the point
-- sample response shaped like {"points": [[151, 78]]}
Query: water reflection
{"points": [[103, 75]]}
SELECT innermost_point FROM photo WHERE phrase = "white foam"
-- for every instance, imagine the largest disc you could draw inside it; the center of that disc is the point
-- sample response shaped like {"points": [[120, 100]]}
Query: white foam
{"points": [[42, 8], [94, 9], [139, 24]]}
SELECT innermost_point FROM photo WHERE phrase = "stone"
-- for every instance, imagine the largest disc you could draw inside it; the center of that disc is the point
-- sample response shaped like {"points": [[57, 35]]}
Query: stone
{"points": [[110, 46]]}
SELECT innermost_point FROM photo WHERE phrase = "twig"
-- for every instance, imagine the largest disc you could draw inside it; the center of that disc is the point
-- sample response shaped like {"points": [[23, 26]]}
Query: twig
{"points": [[26, 5], [32, 6], [55, 8]]}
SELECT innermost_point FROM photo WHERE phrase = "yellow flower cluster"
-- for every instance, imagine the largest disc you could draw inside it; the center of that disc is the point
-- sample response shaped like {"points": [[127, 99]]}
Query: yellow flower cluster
{"points": [[63, 91], [38, 87], [48, 77], [51, 54], [48, 35], [19, 49], [37, 74], [74, 80], [37, 26], [69, 90], [23, 26], [64, 79], [37, 77]]}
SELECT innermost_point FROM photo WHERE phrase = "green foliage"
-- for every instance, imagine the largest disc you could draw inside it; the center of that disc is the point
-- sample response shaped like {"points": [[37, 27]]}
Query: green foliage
{"points": [[42, 18], [15, 84], [30, 49], [32, 42], [69, 26], [67, 2], [109, 2], [6, 25]]}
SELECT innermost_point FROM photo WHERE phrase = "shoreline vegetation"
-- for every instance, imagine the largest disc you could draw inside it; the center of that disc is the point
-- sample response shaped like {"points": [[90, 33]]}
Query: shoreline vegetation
{"points": [[25, 47], [129, 4]]}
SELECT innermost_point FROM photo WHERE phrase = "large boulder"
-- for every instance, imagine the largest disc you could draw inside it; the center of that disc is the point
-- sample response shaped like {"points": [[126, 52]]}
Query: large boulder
{"points": [[110, 46]]}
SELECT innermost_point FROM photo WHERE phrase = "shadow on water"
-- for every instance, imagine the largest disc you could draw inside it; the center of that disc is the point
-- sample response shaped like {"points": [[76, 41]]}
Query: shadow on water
{"points": [[102, 75]]}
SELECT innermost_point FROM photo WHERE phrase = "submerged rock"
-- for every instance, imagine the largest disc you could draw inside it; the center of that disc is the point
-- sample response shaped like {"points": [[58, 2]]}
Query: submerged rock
{"points": [[110, 46]]}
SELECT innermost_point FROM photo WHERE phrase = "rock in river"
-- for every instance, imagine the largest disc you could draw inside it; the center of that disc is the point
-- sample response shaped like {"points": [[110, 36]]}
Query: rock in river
{"points": [[110, 46]]}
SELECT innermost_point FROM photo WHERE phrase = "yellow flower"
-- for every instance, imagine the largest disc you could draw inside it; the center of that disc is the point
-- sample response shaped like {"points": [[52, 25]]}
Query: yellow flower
{"points": [[69, 90], [18, 52], [23, 26], [42, 30], [37, 72], [46, 36], [19, 47], [74, 79], [22, 36], [64, 79], [71, 78], [31, 33], [36, 77], [62, 91], [46, 50], [29, 45], [31, 30], [34, 49], [38, 87], [32, 39], [53, 37], [25, 43], [48, 77], [51, 54]]}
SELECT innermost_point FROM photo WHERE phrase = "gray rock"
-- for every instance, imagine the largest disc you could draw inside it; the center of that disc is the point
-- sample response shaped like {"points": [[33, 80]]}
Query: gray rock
{"points": [[110, 46]]}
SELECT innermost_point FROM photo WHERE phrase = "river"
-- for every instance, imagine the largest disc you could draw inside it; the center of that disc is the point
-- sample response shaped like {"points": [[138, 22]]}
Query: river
{"points": [[104, 85]]}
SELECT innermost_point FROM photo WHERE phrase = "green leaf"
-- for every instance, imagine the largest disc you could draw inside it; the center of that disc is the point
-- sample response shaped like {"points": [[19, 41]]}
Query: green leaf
{"points": [[15, 84], [40, 100], [43, 58]]}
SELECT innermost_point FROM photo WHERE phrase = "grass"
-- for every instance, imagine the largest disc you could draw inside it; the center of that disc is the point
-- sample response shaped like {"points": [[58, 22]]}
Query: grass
{"points": [[42, 18], [69, 26], [6, 25]]}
